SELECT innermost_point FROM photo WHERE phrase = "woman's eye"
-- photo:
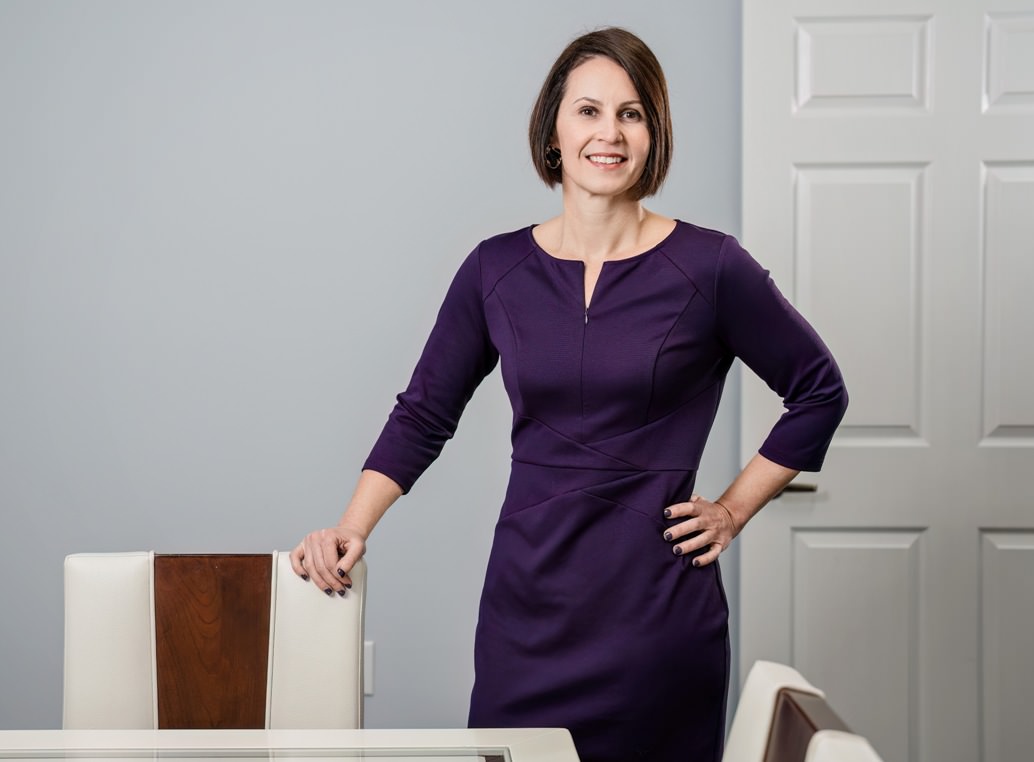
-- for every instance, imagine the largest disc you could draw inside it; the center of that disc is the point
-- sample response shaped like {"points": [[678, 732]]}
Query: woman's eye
{"points": [[587, 111], [632, 115]]}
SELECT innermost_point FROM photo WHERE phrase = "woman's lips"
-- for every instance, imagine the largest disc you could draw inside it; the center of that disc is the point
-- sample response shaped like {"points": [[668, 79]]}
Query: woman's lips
{"points": [[606, 159]]}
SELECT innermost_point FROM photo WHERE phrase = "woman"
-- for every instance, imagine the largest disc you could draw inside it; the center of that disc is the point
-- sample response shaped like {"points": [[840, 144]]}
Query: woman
{"points": [[603, 609]]}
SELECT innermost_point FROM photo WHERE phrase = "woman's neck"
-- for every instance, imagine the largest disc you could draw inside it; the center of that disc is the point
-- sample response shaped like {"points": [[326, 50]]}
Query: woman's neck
{"points": [[596, 230]]}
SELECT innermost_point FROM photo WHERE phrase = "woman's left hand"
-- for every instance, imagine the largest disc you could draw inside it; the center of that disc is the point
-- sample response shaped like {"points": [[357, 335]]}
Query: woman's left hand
{"points": [[711, 525]]}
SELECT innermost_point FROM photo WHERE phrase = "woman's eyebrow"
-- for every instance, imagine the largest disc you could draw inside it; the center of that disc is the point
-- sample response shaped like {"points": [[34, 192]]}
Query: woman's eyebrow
{"points": [[594, 102]]}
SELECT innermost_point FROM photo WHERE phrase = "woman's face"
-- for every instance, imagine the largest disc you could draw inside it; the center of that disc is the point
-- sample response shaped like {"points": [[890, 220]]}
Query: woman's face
{"points": [[601, 130]]}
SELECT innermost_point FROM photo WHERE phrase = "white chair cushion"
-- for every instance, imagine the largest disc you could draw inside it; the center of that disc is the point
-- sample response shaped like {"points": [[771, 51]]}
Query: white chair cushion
{"points": [[316, 647], [109, 639]]}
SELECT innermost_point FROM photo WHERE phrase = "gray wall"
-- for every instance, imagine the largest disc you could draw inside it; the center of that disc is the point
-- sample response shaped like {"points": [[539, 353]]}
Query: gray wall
{"points": [[225, 228]]}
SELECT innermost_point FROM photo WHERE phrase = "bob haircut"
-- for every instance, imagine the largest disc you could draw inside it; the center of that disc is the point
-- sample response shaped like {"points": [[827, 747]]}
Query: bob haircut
{"points": [[631, 54]]}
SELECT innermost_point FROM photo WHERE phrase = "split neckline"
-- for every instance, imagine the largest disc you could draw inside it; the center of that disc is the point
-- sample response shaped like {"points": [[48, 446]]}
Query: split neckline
{"points": [[633, 258]]}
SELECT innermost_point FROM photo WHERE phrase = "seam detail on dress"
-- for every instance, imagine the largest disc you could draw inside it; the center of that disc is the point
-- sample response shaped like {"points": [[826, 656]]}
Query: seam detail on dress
{"points": [[586, 445], [657, 356], [669, 414], [719, 263], [625, 507], [580, 491], [689, 278], [513, 334], [581, 467], [499, 280]]}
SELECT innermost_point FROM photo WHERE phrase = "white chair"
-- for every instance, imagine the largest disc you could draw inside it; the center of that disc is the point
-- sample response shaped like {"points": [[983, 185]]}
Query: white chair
{"points": [[782, 717], [226, 622], [838, 746], [752, 724]]}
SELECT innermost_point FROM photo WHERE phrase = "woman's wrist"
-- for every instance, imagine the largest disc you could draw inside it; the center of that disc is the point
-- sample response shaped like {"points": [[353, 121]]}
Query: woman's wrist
{"points": [[736, 524], [353, 527]]}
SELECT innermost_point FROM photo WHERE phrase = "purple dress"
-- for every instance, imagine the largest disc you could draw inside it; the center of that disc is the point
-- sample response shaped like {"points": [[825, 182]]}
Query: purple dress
{"points": [[587, 619]]}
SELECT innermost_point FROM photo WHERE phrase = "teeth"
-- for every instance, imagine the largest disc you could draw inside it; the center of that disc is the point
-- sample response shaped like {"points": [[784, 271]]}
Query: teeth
{"points": [[606, 159]]}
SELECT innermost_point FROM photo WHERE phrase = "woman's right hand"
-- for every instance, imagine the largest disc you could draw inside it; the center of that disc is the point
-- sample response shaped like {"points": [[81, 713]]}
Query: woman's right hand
{"points": [[326, 556]]}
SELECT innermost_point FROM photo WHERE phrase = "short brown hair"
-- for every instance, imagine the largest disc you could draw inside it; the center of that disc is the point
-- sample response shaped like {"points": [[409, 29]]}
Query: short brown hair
{"points": [[631, 54]]}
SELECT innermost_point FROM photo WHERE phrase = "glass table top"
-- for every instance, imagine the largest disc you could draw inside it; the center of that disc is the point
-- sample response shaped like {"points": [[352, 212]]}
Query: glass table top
{"points": [[498, 754], [377, 745], [317, 745], [344, 755]]}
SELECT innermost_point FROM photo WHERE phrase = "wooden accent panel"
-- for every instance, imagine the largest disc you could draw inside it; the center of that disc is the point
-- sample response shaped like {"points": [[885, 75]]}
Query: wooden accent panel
{"points": [[798, 716], [212, 631]]}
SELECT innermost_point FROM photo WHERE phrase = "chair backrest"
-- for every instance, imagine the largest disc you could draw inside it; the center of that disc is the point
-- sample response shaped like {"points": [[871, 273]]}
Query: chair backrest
{"points": [[782, 717], [751, 726], [208, 641]]}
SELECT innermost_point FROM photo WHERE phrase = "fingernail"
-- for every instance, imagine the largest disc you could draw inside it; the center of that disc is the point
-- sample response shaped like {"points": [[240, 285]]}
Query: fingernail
{"points": [[667, 513], [667, 536], [341, 572], [328, 591], [305, 577], [348, 585], [696, 562], [677, 551], [341, 592]]}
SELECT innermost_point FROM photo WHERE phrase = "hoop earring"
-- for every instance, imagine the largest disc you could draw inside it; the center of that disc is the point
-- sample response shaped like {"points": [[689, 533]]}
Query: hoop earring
{"points": [[553, 157]]}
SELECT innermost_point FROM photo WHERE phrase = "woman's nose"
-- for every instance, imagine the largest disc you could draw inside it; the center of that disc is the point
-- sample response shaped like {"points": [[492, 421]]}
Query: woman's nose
{"points": [[610, 130]]}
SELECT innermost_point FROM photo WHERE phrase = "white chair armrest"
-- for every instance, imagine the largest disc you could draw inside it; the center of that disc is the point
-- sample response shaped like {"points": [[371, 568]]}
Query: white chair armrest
{"points": [[838, 746]]}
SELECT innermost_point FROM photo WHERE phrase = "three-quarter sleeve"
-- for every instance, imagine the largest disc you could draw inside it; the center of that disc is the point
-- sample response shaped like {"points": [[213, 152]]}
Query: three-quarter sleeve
{"points": [[763, 329], [456, 358]]}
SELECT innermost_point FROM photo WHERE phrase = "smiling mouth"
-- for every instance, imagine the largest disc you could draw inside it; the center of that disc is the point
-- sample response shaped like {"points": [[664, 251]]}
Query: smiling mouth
{"points": [[606, 160]]}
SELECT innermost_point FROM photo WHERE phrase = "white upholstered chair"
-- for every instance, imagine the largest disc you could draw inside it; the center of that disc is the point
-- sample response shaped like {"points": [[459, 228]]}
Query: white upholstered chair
{"points": [[782, 717], [154, 641], [752, 723]]}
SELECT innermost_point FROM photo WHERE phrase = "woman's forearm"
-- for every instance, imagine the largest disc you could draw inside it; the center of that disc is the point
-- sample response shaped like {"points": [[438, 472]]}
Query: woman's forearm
{"points": [[760, 481], [374, 494]]}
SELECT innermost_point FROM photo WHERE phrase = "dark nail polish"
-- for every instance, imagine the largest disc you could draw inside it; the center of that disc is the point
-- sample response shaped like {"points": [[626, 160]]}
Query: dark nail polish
{"points": [[667, 536], [696, 562], [348, 585], [305, 577], [678, 551], [328, 591], [667, 513], [341, 572], [341, 592]]}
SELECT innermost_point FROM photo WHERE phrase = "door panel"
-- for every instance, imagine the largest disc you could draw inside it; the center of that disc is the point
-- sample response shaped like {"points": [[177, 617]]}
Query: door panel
{"points": [[1008, 310], [1007, 567], [835, 576], [859, 230]]}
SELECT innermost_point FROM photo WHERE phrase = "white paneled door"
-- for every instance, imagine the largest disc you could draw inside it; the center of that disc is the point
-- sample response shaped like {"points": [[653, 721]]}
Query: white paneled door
{"points": [[889, 187]]}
